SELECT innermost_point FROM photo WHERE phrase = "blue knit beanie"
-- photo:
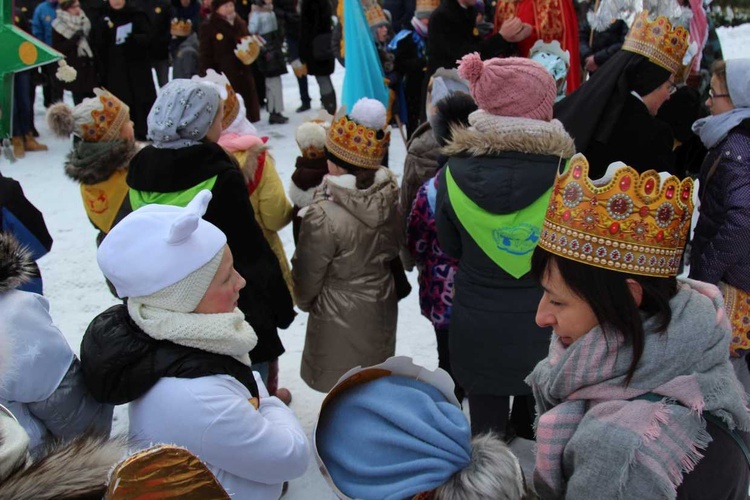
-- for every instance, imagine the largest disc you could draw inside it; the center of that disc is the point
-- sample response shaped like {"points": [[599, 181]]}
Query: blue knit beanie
{"points": [[392, 438]]}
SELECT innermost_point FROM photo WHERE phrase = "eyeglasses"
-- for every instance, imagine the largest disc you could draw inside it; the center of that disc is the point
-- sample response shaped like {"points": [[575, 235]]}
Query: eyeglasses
{"points": [[713, 96]]}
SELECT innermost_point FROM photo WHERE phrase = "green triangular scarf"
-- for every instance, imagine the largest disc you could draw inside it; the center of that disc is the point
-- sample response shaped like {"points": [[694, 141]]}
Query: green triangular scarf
{"points": [[507, 239]]}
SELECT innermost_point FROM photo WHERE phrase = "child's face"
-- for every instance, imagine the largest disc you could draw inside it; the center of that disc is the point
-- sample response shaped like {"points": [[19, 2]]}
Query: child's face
{"points": [[126, 130], [382, 33], [214, 132]]}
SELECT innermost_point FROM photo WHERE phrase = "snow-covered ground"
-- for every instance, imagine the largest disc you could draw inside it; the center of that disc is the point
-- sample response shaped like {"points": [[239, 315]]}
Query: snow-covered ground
{"points": [[76, 290]]}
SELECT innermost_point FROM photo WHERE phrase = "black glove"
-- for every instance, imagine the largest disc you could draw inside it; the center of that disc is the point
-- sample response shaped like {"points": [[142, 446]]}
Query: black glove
{"points": [[77, 35]]}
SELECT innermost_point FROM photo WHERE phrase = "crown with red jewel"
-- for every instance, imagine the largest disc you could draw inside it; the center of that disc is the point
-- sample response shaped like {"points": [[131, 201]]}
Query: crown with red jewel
{"points": [[658, 41], [626, 221], [355, 144], [180, 27], [107, 117]]}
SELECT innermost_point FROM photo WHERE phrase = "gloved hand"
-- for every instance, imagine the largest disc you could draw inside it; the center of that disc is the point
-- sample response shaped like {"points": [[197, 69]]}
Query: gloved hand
{"points": [[513, 30]]}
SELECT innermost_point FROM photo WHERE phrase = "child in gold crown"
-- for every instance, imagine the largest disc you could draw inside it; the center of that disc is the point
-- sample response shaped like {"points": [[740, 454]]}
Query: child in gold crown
{"points": [[347, 240], [309, 169], [103, 144]]}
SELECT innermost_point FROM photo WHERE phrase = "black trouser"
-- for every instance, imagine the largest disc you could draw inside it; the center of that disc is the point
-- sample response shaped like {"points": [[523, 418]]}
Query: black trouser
{"points": [[444, 358], [490, 413]]}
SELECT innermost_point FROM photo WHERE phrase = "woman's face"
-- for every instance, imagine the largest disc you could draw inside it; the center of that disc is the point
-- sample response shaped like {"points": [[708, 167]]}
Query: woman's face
{"points": [[224, 291], [569, 315], [74, 10], [225, 10], [654, 99], [117, 4], [214, 131], [382, 33], [719, 101]]}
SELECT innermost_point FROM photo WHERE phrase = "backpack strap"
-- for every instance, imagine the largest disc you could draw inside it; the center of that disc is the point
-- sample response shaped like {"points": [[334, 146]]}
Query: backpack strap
{"points": [[655, 398]]}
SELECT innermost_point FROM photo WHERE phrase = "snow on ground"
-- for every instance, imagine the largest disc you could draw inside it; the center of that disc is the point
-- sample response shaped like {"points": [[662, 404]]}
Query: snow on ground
{"points": [[76, 290]]}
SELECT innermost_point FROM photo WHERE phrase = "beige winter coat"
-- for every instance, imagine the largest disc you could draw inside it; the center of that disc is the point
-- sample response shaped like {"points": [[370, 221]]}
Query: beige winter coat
{"points": [[342, 276]]}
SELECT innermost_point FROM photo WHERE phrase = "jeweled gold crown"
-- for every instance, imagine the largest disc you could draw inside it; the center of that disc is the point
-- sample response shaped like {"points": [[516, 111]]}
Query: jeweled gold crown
{"points": [[356, 144], [106, 121], [374, 13], [231, 108], [633, 223], [658, 41], [181, 27]]}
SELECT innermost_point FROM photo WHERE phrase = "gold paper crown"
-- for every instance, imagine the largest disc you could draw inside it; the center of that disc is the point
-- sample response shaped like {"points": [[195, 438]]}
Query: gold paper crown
{"points": [[374, 13], [106, 121], [658, 41], [356, 144], [635, 223], [231, 108], [181, 27], [426, 7]]}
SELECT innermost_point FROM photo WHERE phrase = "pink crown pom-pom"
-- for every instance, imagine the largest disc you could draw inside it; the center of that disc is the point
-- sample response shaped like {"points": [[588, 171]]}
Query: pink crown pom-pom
{"points": [[471, 67]]}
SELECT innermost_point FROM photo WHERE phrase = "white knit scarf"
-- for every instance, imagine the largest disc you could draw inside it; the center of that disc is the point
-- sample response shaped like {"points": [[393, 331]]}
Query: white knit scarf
{"points": [[67, 24], [221, 333]]}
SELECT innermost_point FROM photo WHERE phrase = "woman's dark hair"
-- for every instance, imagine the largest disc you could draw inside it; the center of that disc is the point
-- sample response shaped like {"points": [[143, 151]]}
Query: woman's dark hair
{"points": [[608, 295]]}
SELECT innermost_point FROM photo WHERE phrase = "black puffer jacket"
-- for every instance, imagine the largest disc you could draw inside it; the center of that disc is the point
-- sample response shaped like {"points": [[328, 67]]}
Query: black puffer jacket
{"points": [[494, 339], [121, 363], [167, 174], [721, 244]]}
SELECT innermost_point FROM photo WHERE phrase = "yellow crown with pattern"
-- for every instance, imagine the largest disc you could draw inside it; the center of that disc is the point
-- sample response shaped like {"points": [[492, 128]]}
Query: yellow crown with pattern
{"points": [[106, 119], [628, 222], [374, 13], [231, 107], [658, 41], [357, 145], [181, 27]]}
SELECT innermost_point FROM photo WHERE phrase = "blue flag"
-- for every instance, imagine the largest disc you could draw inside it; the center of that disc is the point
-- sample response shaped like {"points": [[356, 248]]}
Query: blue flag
{"points": [[364, 76]]}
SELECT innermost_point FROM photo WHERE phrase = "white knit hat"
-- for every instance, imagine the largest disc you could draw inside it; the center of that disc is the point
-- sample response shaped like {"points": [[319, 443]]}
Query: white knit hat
{"points": [[159, 245]]}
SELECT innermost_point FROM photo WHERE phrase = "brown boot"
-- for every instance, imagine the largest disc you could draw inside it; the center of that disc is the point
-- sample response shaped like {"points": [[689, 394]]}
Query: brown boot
{"points": [[18, 150], [31, 144]]}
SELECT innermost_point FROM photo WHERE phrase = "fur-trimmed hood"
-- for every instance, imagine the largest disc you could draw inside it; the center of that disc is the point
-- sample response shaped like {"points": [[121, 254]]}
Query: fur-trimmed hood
{"points": [[16, 264], [508, 167], [519, 135], [373, 206], [94, 162], [78, 469]]}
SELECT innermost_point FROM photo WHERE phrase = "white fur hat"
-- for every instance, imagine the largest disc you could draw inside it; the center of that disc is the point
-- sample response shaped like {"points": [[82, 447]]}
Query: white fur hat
{"points": [[159, 245]]}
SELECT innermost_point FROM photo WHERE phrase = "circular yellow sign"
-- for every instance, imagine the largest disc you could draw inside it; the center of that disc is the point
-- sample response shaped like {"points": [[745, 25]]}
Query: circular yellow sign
{"points": [[27, 53]]}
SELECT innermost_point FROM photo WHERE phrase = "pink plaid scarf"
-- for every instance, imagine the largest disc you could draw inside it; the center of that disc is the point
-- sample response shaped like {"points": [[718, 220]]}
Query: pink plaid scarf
{"points": [[594, 443]]}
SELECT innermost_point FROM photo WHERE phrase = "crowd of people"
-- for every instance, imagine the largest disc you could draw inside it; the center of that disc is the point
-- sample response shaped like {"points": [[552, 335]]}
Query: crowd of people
{"points": [[580, 249]]}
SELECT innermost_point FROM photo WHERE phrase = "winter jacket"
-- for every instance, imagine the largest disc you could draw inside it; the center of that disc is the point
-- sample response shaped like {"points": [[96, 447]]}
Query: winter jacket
{"points": [[606, 43], [453, 35], [160, 20], [45, 388], [409, 49], [218, 40], [342, 276], [307, 176], [317, 16], [638, 139], [494, 339], [190, 13], [125, 69], [41, 23], [174, 176], [86, 77], [19, 217], [251, 451], [272, 210], [437, 270], [422, 153], [271, 60], [721, 243]]}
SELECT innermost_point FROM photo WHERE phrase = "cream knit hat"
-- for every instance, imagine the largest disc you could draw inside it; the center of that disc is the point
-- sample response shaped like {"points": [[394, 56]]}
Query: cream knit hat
{"points": [[165, 249]]}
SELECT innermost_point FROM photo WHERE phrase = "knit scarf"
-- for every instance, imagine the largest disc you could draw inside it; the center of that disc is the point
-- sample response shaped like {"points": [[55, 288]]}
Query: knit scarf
{"points": [[222, 333], [713, 129], [582, 399], [67, 24], [309, 172]]}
